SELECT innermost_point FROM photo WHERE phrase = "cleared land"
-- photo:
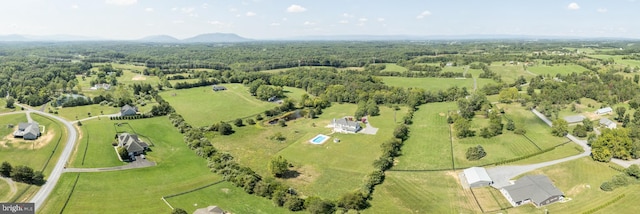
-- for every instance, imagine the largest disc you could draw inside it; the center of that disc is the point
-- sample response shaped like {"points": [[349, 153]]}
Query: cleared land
{"points": [[318, 165], [433, 83], [394, 67], [510, 73], [201, 106], [81, 112], [556, 69]]}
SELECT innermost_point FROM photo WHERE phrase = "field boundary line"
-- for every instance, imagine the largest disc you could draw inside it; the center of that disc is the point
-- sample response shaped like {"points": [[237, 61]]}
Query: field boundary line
{"points": [[192, 190], [54, 148], [70, 193], [476, 199]]}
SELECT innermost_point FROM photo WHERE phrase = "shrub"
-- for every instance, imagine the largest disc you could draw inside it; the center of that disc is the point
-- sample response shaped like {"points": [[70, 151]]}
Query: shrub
{"points": [[475, 153]]}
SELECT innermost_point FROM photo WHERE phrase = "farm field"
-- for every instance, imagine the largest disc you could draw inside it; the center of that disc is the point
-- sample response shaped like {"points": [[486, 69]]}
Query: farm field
{"points": [[178, 170], [510, 73], [236, 102], [81, 112], [434, 83], [394, 68], [429, 146], [318, 165], [556, 69]]}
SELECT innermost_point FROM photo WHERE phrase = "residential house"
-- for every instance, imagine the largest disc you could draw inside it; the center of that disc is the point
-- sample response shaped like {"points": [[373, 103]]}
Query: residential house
{"points": [[574, 119], [104, 86], [608, 123], [28, 131], [210, 210], [536, 189], [477, 177], [128, 110], [132, 143], [218, 88], [343, 125], [606, 110]]}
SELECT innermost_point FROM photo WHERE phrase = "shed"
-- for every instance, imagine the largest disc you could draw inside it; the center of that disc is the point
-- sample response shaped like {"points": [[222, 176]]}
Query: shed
{"points": [[606, 110], [608, 123], [574, 119], [477, 177], [537, 189]]}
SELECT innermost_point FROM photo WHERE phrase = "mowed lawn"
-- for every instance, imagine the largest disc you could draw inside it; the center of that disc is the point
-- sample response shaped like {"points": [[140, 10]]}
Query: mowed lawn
{"points": [[429, 144], [510, 73], [422, 192], [434, 83], [394, 67], [82, 112], [318, 165], [556, 69], [202, 106], [94, 145], [179, 169]]}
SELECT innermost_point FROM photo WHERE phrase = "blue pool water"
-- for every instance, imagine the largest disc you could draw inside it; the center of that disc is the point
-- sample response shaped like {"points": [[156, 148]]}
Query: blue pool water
{"points": [[319, 139]]}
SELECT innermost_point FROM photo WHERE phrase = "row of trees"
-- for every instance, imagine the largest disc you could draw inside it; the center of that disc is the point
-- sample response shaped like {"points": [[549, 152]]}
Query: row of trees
{"points": [[22, 174]]}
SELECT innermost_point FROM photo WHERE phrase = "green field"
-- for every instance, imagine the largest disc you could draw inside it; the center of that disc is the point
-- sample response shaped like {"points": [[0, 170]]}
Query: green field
{"points": [[178, 170], [510, 73], [5, 193], [225, 193], [556, 69], [394, 68], [429, 146], [201, 106], [318, 165], [434, 83], [94, 145], [81, 112]]}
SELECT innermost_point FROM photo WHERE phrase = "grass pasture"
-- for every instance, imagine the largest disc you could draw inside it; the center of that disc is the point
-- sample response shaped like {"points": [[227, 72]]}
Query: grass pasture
{"points": [[556, 69], [429, 146], [94, 147], [81, 112], [510, 73], [178, 170], [434, 83], [392, 67]]}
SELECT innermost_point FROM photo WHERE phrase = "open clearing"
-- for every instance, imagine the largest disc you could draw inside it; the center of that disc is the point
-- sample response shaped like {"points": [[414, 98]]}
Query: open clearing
{"points": [[82, 112], [434, 83], [556, 69]]}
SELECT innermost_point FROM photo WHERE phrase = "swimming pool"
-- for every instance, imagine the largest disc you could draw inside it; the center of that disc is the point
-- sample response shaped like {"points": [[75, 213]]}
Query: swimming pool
{"points": [[319, 139]]}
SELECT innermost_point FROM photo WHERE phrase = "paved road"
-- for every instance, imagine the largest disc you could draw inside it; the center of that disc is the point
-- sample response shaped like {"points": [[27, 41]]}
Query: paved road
{"points": [[139, 163], [53, 178], [502, 174], [29, 120]]}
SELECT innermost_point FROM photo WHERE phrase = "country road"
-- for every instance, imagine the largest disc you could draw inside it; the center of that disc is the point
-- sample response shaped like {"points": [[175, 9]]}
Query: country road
{"points": [[52, 179]]}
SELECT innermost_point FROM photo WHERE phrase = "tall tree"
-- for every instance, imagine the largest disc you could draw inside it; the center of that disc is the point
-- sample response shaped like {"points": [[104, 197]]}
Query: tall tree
{"points": [[278, 166], [5, 169], [559, 127]]}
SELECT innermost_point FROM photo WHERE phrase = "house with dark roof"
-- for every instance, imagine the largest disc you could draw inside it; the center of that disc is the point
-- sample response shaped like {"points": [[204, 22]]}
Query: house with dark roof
{"points": [[535, 189], [608, 123], [210, 210], [132, 143], [128, 110], [27, 131], [477, 177], [219, 88], [343, 125]]}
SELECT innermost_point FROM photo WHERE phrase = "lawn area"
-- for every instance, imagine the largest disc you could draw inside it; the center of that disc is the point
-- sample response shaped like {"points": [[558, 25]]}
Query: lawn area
{"points": [[433, 83], [580, 180], [510, 73], [236, 200], [394, 68], [556, 69], [318, 165], [81, 112], [429, 145], [422, 192], [4, 194], [94, 145], [201, 106], [129, 77], [178, 170]]}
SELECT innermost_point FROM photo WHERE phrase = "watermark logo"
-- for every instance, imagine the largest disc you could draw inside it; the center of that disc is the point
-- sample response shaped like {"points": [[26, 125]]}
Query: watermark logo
{"points": [[17, 208]]}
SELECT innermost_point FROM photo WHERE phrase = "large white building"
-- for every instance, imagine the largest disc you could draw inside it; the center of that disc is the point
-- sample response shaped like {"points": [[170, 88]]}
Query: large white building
{"points": [[477, 177]]}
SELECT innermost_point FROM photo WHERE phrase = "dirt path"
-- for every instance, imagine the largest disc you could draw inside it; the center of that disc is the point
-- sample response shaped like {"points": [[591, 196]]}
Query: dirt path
{"points": [[12, 187], [139, 163]]}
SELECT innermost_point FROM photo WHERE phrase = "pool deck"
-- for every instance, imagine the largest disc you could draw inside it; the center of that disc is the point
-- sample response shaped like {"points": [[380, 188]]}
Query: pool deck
{"points": [[319, 143]]}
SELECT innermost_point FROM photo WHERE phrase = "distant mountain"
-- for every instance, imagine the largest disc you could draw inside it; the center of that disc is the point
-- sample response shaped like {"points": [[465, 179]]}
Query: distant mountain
{"points": [[441, 37], [45, 38], [13, 38], [216, 38], [159, 39]]}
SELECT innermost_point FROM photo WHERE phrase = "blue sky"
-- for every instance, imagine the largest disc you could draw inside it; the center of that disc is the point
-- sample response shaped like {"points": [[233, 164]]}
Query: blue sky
{"points": [[268, 19]]}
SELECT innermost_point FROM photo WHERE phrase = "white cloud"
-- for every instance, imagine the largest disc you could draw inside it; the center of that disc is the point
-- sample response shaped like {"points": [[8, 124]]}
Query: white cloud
{"points": [[74, 6], [187, 9], [309, 23], [294, 8], [275, 24], [174, 8], [346, 15], [285, 19], [177, 22], [362, 19], [250, 14], [602, 10], [573, 6], [121, 2], [343, 22], [233, 10], [381, 19], [148, 9], [205, 6], [423, 14]]}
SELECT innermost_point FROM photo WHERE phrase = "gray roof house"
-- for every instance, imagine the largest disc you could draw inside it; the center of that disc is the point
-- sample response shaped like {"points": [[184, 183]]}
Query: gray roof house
{"points": [[131, 142], [218, 88], [537, 189], [608, 123], [574, 119], [128, 110], [28, 131], [605, 110], [343, 125], [477, 177], [210, 210]]}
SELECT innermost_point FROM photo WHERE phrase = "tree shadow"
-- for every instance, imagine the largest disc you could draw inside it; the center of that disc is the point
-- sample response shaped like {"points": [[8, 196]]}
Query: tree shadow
{"points": [[290, 174]]}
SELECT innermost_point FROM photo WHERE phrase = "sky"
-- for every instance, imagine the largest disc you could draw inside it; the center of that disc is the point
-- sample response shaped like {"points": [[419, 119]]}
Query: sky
{"points": [[273, 19]]}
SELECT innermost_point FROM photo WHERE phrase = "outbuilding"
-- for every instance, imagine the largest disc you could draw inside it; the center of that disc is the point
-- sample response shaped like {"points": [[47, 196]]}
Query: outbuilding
{"points": [[606, 110], [477, 177]]}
